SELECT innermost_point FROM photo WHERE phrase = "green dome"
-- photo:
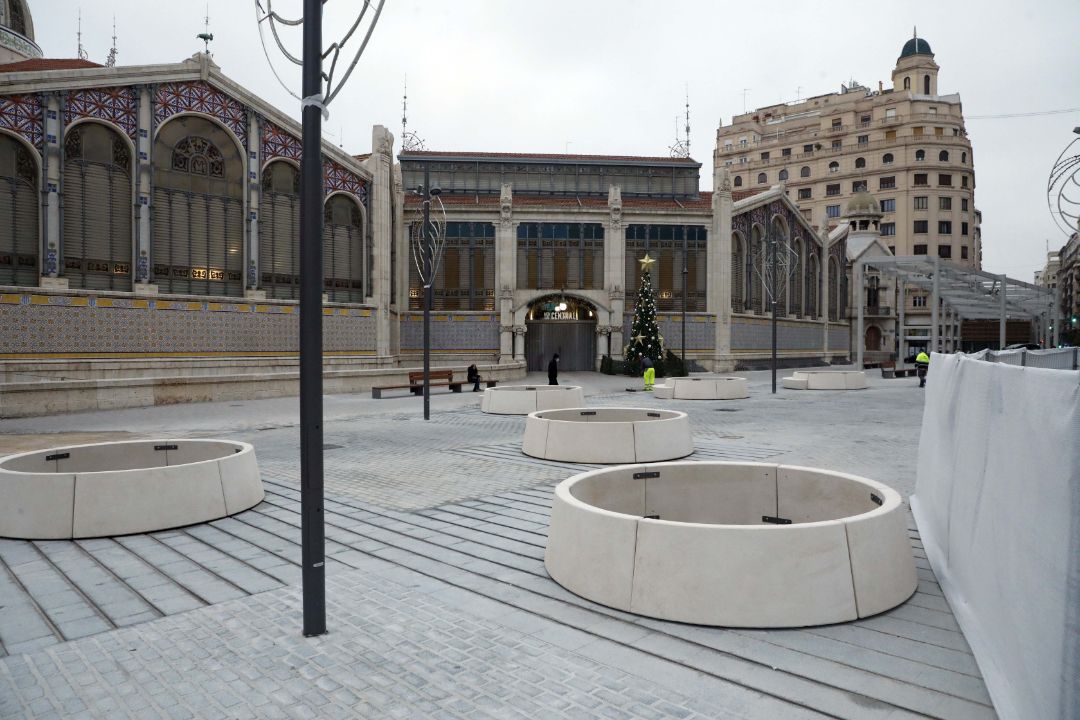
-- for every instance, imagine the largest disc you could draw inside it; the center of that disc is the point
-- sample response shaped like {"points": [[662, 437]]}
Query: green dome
{"points": [[915, 46]]}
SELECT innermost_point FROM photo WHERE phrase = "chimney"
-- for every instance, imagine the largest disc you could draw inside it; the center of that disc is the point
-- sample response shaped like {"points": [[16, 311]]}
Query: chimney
{"points": [[880, 86]]}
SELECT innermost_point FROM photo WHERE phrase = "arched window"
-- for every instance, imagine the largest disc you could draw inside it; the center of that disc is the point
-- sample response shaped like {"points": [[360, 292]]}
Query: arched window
{"points": [[783, 175], [97, 209], [279, 231], [887, 159], [920, 155], [198, 211], [834, 166], [926, 85], [860, 163], [813, 284], [804, 171], [907, 83], [346, 262], [18, 214], [738, 273], [762, 178], [834, 290], [963, 157], [782, 236], [738, 181], [795, 306], [756, 271], [18, 17], [943, 156]]}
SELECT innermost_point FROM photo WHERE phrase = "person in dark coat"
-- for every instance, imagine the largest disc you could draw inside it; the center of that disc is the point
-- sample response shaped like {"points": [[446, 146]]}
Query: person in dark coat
{"points": [[553, 370], [473, 376]]}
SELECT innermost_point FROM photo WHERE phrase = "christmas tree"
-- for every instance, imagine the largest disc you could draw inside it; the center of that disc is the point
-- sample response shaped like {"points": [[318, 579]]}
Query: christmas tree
{"points": [[645, 339]]}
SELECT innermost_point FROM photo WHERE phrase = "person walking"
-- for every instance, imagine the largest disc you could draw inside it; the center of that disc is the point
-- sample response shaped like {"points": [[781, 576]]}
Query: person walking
{"points": [[553, 370], [473, 376], [922, 365], [648, 372]]}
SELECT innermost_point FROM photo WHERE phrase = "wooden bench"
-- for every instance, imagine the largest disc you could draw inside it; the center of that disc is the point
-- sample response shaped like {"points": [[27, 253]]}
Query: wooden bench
{"points": [[438, 378], [890, 371]]}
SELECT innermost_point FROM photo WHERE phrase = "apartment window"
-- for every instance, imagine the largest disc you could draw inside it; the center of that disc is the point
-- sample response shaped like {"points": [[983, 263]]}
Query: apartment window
{"points": [[805, 193], [808, 149], [944, 180], [729, 162], [786, 152], [764, 156], [858, 186], [887, 159], [890, 134], [887, 183], [738, 182], [807, 214], [963, 158], [943, 156], [921, 228], [860, 163], [742, 142], [890, 113], [834, 167], [837, 144], [919, 301], [727, 145], [921, 203], [832, 211], [831, 190], [944, 251], [963, 228], [783, 175], [762, 178], [888, 228], [743, 160], [932, 110], [917, 131], [939, 132], [864, 120], [963, 181], [926, 84], [804, 171], [888, 205], [956, 132], [907, 83], [921, 179], [963, 252], [836, 124], [944, 203], [920, 155], [963, 204], [863, 139], [944, 227]]}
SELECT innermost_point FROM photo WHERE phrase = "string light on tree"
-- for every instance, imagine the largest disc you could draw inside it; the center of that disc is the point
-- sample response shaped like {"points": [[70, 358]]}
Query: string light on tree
{"points": [[647, 341]]}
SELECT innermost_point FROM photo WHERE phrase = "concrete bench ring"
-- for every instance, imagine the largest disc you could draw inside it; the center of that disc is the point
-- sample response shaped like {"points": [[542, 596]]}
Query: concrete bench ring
{"points": [[607, 435], [524, 399]]}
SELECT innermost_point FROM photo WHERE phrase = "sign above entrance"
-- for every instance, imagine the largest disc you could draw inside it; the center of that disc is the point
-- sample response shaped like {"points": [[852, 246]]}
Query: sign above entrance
{"points": [[557, 307]]}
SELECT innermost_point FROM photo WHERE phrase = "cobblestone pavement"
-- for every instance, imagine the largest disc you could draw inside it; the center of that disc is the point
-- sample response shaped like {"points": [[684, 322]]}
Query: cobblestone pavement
{"points": [[438, 602]]}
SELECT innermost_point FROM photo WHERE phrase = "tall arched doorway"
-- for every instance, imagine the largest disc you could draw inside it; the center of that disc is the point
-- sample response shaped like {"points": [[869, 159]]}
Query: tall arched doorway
{"points": [[561, 324], [873, 338]]}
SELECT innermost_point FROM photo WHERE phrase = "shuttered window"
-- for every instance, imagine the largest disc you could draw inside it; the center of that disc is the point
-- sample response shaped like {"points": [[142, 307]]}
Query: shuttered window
{"points": [[559, 256], [18, 215], [466, 277], [97, 237], [738, 276], [279, 232], [665, 244], [346, 259]]}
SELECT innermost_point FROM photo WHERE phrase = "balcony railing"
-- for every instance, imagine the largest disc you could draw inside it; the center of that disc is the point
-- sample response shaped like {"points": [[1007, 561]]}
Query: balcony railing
{"points": [[877, 311]]}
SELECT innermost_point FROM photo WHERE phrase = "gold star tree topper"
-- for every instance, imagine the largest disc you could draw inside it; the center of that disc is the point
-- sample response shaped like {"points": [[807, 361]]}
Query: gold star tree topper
{"points": [[646, 262]]}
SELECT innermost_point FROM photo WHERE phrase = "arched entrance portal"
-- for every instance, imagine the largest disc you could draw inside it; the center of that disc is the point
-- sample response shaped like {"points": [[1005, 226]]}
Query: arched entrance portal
{"points": [[564, 325], [873, 338]]}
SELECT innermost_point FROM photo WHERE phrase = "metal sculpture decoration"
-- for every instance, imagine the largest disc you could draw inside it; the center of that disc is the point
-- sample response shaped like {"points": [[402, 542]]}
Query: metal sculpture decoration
{"points": [[774, 261], [1063, 187], [410, 141], [426, 241], [313, 108], [681, 148]]}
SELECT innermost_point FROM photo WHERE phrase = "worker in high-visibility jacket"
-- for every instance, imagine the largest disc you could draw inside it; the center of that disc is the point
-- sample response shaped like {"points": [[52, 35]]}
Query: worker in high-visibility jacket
{"points": [[649, 374], [922, 365]]}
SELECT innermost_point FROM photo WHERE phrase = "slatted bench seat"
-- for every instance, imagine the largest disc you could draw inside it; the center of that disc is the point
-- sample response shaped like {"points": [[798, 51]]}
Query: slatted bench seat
{"points": [[439, 378], [890, 371]]}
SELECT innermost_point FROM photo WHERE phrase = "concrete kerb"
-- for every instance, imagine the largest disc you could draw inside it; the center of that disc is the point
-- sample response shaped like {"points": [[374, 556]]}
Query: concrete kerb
{"points": [[524, 399], [607, 435], [826, 380]]}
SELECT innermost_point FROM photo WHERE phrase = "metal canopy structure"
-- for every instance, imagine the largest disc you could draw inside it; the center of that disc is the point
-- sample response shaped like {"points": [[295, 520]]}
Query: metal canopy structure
{"points": [[966, 293]]}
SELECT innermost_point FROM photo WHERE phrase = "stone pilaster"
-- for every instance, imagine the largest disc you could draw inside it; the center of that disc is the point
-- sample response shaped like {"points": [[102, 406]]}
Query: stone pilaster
{"points": [[614, 262], [51, 166], [824, 304], [506, 272], [144, 188], [381, 206], [718, 257], [253, 201]]}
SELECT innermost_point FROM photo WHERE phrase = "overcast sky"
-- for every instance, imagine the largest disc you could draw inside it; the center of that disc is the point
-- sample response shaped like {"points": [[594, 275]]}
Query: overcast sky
{"points": [[610, 76]]}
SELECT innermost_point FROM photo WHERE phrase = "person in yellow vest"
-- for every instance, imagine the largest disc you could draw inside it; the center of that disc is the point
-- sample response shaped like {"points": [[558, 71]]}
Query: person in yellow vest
{"points": [[650, 372], [922, 365]]}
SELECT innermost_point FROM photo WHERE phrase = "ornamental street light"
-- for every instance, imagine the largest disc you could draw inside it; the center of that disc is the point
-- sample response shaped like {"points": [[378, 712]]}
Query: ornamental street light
{"points": [[426, 246]]}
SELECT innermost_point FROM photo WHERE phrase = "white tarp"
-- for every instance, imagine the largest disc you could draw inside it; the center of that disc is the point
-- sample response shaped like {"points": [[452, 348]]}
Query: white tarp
{"points": [[997, 501]]}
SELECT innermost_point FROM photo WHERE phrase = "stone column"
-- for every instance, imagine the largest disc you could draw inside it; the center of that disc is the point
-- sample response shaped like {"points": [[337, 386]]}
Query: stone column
{"points": [[519, 342], [253, 198], [718, 258], [614, 264], [144, 187], [824, 304], [51, 165], [380, 206], [603, 341], [506, 272]]}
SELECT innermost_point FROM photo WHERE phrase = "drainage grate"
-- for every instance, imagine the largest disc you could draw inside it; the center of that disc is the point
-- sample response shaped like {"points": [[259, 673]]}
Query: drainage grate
{"points": [[726, 409], [328, 446]]}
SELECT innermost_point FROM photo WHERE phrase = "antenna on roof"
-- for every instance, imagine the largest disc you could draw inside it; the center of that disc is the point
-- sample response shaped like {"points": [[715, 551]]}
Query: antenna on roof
{"points": [[206, 36], [681, 148], [110, 61], [81, 52], [410, 141]]}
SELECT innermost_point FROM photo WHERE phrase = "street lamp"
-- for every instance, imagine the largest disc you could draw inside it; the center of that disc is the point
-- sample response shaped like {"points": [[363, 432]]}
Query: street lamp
{"points": [[427, 252]]}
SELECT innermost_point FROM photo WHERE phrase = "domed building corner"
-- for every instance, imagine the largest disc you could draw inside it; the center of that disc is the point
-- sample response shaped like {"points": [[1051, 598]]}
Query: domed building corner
{"points": [[17, 33]]}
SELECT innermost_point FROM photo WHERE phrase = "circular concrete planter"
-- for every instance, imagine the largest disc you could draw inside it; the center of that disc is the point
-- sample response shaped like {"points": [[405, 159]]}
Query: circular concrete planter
{"points": [[731, 544], [706, 388], [607, 435], [826, 380], [120, 488], [524, 399]]}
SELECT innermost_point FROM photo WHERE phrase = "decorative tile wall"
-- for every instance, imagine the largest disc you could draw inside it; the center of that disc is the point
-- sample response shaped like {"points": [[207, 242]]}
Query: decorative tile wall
{"points": [[700, 331], [756, 336], [451, 332], [21, 114], [176, 97], [118, 105]]}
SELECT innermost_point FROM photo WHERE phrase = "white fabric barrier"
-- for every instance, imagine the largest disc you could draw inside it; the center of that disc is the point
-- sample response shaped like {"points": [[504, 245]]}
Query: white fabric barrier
{"points": [[997, 501]]}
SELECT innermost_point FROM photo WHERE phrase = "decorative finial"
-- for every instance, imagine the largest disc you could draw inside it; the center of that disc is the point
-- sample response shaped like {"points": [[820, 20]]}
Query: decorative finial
{"points": [[110, 61], [646, 262], [206, 36], [81, 52], [914, 32], [681, 148], [410, 141]]}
